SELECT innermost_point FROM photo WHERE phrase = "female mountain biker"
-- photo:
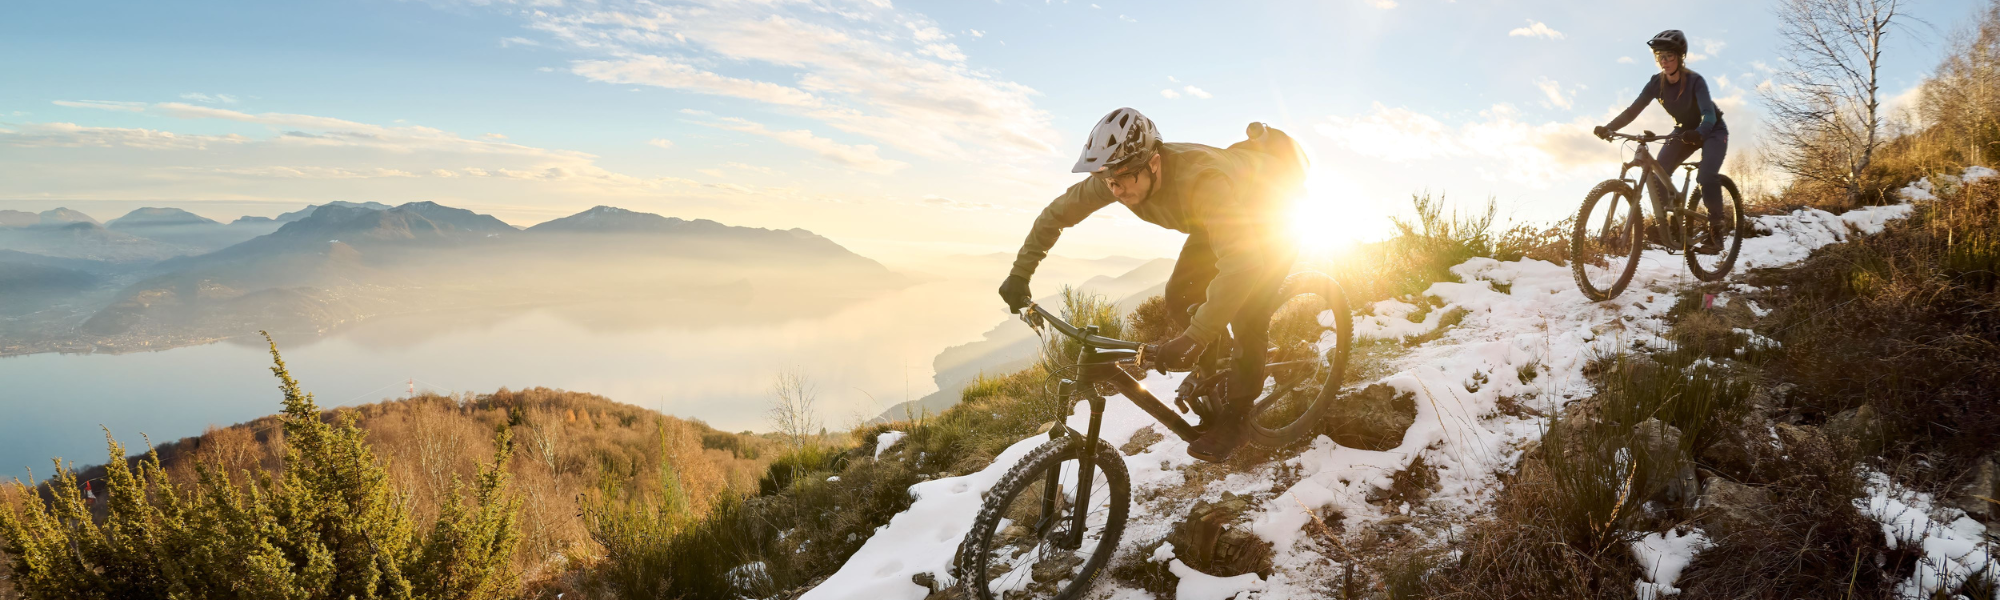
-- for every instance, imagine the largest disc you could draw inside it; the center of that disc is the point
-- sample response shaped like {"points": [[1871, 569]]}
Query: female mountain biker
{"points": [[1697, 125], [1230, 203]]}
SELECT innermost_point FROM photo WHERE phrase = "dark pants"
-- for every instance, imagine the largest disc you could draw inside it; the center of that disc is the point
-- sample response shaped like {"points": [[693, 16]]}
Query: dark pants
{"points": [[1249, 327], [1707, 173]]}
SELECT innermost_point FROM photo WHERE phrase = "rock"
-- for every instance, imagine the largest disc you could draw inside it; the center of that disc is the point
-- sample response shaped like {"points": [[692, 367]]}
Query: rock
{"points": [[1214, 540], [1673, 484], [1729, 508], [1978, 495], [1859, 427], [1374, 418]]}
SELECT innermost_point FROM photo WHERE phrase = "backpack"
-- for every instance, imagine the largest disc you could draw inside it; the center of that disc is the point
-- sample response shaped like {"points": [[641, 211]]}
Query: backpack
{"points": [[1290, 163]]}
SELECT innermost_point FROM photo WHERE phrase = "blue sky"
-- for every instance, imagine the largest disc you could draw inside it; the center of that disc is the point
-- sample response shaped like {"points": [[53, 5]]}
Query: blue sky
{"points": [[895, 128]]}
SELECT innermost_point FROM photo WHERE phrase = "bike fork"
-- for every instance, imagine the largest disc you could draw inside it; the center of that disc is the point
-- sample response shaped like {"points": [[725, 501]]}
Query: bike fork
{"points": [[1086, 468]]}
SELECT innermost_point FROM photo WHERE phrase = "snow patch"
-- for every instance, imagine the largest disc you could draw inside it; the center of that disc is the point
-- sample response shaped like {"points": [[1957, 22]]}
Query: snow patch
{"points": [[885, 440], [1664, 556], [1954, 547]]}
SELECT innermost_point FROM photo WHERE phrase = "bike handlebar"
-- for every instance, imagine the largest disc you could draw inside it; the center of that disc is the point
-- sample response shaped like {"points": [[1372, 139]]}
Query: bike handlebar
{"points": [[1035, 315], [1643, 138]]}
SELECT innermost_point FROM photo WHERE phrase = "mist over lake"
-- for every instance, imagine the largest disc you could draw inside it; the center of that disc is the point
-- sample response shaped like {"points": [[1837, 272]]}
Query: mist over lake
{"points": [[711, 361]]}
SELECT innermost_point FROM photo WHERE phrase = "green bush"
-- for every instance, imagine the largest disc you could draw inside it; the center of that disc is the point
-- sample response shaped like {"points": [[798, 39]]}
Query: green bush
{"points": [[329, 525]]}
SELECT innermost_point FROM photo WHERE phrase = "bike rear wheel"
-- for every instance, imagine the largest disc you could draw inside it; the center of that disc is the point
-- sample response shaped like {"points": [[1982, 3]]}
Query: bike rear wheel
{"points": [[1021, 545], [1714, 267], [1313, 332], [1605, 244]]}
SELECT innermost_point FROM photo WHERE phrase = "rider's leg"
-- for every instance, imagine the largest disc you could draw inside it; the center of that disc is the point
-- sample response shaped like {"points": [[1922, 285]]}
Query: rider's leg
{"points": [[1250, 328], [1188, 285], [1714, 148]]}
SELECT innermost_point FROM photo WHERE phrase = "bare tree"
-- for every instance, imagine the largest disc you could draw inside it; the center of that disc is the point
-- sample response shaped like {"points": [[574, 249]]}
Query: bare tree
{"points": [[1963, 98], [545, 444], [795, 415], [1825, 98]]}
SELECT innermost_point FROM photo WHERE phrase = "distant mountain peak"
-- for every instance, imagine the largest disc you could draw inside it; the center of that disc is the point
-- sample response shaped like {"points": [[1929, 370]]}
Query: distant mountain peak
{"points": [[149, 217], [308, 210], [58, 216]]}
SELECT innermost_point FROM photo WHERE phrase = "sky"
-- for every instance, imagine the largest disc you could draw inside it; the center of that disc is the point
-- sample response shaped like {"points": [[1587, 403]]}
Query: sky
{"points": [[896, 128]]}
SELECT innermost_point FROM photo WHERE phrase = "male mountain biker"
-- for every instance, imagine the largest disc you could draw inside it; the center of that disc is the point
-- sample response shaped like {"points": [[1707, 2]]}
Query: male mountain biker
{"points": [[1697, 125], [1230, 202]]}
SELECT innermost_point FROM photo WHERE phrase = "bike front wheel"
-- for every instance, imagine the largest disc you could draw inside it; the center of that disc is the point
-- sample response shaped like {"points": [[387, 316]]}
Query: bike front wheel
{"points": [[1714, 267], [1026, 543], [1313, 333], [1605, 244]]}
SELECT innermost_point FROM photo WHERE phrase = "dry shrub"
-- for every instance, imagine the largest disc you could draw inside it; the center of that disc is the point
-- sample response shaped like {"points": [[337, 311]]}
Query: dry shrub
{"points": [[1907, 321], [1810, 542], [569, 446]]}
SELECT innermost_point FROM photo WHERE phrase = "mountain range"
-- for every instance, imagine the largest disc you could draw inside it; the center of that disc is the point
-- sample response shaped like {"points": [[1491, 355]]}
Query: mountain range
{"points": [[162, 276]]}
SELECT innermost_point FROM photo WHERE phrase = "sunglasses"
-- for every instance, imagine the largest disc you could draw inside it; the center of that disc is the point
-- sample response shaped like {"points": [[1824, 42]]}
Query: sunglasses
{"points": [[1131, 167]]}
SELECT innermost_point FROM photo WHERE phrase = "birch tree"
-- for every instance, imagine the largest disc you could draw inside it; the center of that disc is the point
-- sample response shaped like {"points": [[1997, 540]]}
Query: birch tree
{"points": [[1825, 97]]}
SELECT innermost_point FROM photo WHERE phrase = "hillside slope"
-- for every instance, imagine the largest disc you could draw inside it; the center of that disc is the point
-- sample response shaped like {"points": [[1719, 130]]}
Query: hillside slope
{"points": [[1484, 392]]}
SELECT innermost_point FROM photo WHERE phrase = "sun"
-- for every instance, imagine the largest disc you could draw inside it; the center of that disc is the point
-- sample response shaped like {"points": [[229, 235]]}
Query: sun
{"points": [[1333, 214]]}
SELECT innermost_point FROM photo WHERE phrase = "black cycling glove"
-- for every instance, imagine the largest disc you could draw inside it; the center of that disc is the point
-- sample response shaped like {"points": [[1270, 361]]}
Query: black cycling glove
{"points": [[1602, 132], [1015, 292]]}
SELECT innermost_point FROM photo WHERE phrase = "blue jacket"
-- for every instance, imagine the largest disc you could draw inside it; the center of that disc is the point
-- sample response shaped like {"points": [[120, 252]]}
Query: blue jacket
{"points": [[1688, 102]]}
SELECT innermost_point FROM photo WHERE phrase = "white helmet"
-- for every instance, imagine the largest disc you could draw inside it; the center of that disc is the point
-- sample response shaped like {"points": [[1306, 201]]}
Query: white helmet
{"points": [[1119, 137]]}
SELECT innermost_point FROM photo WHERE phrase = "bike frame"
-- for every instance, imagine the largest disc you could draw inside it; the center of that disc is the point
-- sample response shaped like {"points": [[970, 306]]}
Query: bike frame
{"points": [[1658, 186], [1099, 363]]}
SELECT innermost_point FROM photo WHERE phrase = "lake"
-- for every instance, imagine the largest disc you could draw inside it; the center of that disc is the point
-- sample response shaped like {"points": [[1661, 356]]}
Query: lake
{"points": [[716, 363]]}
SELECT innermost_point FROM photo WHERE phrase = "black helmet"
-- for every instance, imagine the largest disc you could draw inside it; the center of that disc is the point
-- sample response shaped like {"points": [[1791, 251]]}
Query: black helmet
{"points": [[1671, 40]]}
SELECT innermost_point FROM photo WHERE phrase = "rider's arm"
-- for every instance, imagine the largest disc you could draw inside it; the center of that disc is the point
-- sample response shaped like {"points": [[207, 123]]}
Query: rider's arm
{"points": [[1242, 249], [1651, 91], [1067, 210], [1709, 115]]}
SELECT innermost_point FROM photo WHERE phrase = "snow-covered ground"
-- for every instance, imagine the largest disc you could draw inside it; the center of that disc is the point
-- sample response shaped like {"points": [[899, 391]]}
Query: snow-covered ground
{"points": [[1953, 546], [1539, 321]]}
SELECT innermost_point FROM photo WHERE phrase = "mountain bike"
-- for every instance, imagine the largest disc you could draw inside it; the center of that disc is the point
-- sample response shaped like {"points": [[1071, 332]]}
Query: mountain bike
{"points": [[1052, 522], [1611, 229]]}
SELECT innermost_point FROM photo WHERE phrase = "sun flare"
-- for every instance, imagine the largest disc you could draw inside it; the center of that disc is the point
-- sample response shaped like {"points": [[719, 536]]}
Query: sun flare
{"points": [[1333, 214]]}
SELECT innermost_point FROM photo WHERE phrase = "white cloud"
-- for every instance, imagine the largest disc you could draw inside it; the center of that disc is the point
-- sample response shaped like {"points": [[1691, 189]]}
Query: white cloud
{"points": [[1535, 29], [1171, 79], [1197, 92], [494, 136], [1625, 60], [1169, 94], [313, 172], [976, 33], [955, 204], [746, 167], [1532, 154], [664, 72], [716, 173], [661, 143], [858, 157], [1554, 92], [1383, 4], [873, 71], [201, 97], [57, 159], [1127, 19], [71, 135], [103, 105], [518, 41]]}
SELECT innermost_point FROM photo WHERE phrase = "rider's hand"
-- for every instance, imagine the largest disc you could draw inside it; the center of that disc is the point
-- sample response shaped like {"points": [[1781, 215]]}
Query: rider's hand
{"points": [[1691, 138], [1180, 353], [1602, 132], [1015, 292]]}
